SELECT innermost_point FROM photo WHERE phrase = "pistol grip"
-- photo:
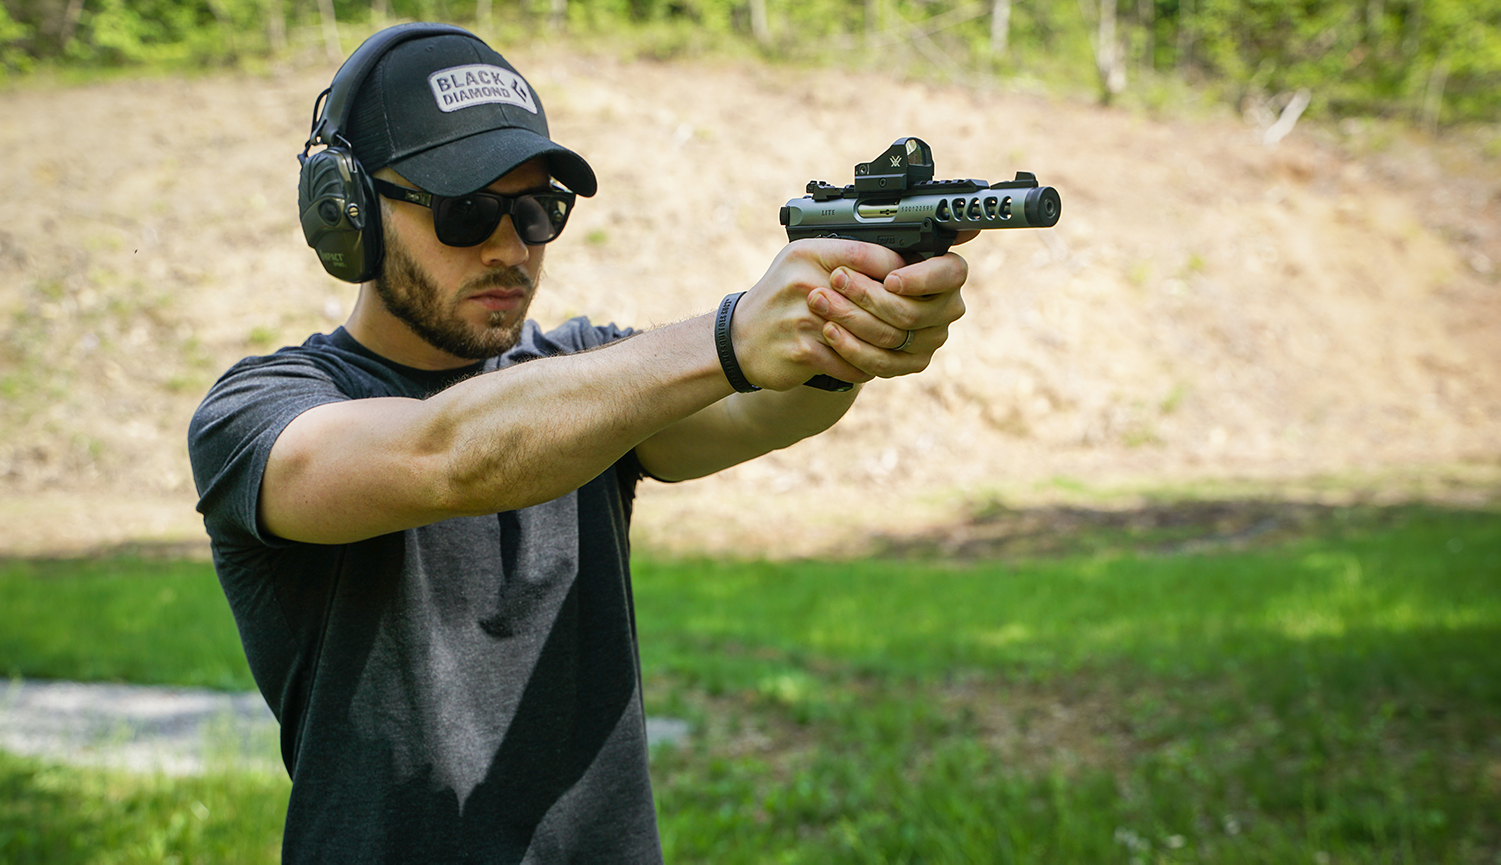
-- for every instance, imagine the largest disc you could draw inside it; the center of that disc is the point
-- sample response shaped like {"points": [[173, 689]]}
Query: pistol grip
{"points": [[828, 383]]}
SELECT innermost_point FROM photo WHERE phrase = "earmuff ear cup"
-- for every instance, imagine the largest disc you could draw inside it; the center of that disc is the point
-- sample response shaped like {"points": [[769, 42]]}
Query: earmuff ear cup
{"points": [[335, 197], [340, 214]]}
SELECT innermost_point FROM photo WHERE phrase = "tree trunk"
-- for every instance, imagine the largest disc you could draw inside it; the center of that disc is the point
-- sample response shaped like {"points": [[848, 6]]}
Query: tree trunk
{"points": [[1146, 16], [1108, 55], [1412, 38], [276, 26], [1296, 105], [1375, 11], [760, 25], [1185, 35], [1000, 27], [69, 25], [330, 30], [1433, 96]]}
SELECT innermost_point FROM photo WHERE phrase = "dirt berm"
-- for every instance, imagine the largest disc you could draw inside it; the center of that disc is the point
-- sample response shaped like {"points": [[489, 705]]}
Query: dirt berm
{"points": [[1209, 308]]}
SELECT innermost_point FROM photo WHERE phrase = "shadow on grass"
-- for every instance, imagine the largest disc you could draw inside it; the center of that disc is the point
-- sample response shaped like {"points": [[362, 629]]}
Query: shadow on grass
{"points": [[1168, 527], [196, 551]]}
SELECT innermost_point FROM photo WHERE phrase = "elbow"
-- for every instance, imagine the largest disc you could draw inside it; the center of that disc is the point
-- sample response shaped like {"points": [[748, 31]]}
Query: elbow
{"points": [[471, 478]]}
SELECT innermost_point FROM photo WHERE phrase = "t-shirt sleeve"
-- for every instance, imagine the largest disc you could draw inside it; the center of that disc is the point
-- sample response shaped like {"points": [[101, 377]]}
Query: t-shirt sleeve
{"points": [[231, 434], [574, 335]]}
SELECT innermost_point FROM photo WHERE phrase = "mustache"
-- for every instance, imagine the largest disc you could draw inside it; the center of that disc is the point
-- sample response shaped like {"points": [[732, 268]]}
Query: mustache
{"points": [[510, 277]]}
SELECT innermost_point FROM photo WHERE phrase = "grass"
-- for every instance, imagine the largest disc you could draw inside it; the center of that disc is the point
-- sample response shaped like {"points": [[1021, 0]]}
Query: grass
{"points": [[123, 619], [1328, 690], [52, 815], [1330, 698]]}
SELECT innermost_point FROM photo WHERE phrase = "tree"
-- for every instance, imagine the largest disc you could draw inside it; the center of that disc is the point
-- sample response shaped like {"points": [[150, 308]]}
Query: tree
{"points": [[1110, 57], [1000, 27]]}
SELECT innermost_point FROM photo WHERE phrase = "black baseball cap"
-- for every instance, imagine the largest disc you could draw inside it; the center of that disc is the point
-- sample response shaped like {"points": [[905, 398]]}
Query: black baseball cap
{"points": [[451, 115]]}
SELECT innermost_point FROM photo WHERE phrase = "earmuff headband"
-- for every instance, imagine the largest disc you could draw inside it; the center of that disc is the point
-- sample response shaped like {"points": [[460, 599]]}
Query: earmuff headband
{"points": [[346, 84], [337, 204]]}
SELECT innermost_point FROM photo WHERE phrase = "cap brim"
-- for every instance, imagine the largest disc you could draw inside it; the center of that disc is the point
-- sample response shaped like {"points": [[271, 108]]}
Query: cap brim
{"points": [[472, 163]]}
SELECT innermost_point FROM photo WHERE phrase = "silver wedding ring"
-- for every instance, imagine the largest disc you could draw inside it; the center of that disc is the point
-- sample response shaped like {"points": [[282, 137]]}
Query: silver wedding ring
{"points": [[906, 342]]}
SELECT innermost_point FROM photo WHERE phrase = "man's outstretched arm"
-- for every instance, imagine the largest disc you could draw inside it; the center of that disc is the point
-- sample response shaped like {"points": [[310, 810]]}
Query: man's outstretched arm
{"points": [[860, 303], [351, 470]]}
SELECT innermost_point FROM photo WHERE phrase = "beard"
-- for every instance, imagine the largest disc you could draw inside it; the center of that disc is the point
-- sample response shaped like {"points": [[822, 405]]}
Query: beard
{"points": [[412, 296]]}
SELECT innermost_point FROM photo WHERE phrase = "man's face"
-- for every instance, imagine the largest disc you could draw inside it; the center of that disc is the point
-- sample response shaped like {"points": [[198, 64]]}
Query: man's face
{"points": [[469, 302]]}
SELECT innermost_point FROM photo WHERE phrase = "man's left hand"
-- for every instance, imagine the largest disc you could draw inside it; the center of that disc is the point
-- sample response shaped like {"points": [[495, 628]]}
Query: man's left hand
{"points": [[892, 327]]}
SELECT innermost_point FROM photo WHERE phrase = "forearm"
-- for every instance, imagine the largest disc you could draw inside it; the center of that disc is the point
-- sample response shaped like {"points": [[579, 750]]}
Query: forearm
{"points": [[782, 418], [541, 429], [740, 428]]}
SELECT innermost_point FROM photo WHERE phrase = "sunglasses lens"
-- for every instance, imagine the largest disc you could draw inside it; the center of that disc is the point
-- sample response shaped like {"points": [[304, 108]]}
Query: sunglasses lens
{"points": [[468, 220], [539, 219]]}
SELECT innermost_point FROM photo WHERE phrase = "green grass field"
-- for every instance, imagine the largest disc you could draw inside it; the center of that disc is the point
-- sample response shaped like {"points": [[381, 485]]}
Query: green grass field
{"points": [[1325, 695]]}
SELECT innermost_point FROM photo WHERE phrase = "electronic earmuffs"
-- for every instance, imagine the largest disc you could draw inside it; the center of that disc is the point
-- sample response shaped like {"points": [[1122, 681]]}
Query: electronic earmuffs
{"points": [[335, 196]]}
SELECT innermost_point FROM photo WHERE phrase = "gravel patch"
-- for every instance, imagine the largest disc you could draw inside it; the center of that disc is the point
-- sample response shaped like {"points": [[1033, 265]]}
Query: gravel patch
{"points": [[176, 731]]}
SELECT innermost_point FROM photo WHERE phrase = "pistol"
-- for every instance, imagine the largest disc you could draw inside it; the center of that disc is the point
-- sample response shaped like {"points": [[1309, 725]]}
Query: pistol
{"points": [[896, 203]]}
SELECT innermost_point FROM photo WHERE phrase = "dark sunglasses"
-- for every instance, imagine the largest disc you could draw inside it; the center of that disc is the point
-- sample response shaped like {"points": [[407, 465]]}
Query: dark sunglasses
{"points": [[469, 220]]}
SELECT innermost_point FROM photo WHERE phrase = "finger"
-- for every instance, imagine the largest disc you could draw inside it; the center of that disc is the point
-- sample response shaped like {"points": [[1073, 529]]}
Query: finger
{"points": [[899, 311], [833, 362], [940, 274], [873, 362], [926, 340], [832, 306], [871, 330], [832, 253]]}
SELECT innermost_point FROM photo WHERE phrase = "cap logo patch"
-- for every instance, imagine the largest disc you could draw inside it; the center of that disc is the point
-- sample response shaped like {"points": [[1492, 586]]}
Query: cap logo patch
{"points": [[479, 84]]}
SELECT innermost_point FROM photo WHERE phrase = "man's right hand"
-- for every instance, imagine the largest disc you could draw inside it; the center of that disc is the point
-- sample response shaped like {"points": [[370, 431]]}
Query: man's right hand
{"points": [[840, 308]]}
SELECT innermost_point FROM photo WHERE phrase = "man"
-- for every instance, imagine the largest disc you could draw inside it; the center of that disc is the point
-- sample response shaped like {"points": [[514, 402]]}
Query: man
{"points": [[420, 520]]}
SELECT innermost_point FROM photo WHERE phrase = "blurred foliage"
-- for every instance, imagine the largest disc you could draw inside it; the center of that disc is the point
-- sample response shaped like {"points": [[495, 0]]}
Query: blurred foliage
{"points": [[1426, 60], [1356, 56]]}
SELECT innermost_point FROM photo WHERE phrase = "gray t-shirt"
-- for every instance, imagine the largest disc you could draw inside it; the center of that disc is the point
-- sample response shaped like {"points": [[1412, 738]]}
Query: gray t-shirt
{"points": [[464, 691]]}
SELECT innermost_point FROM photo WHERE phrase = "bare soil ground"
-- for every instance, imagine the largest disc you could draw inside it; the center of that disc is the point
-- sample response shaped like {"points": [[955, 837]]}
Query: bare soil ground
{"points": [[1209, 312]]}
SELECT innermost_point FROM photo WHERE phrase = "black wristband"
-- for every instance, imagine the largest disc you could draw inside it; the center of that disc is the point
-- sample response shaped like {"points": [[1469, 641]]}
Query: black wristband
{"points": [[726, 348]]}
